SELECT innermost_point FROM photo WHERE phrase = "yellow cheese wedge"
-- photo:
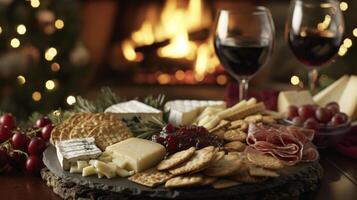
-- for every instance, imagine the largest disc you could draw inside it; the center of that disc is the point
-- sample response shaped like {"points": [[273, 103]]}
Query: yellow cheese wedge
{"points": [[140, 154], [333, 92], [297, 98], [348, 100], [124, 164]]}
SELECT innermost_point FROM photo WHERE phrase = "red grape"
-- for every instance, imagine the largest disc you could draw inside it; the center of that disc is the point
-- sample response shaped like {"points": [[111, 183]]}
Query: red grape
{"points": [[311, 123], [20, 141], [333, 107], [8, 120], [323, 115], [5, 133], [43, 121], [297, 121], [34, 164], [46, 132], [306, 111], [3, 157], [339, 118], [17, 160], [292, 112], [36, 146]]}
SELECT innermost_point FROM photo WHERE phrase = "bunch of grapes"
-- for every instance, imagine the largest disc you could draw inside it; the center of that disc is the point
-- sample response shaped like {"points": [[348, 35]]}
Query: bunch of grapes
{"points": [[180, 138], [313, 116], [22, 149]]}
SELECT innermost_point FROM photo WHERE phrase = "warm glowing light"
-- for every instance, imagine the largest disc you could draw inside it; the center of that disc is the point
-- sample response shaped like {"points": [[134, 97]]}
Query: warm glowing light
{"points": [[202, 59], [343, 6], [50, 85], [21, 80], [71, 100], [35, 3], [163, 79], [0, 29], [128, 50], [199, 77], [145, 35], [354, 32], [36, 96], [15, 42], [342, 50], [295, 80], [59, 24], [221, 79], [180, 75], [347, 42], [325, 24], [57, 113], [55, 67], [50, 53], [21, 29]]}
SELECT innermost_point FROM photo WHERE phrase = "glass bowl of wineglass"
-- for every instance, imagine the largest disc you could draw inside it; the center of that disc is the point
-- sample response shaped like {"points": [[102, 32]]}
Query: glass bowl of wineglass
{"points": [[243, 42], [314, 31]]}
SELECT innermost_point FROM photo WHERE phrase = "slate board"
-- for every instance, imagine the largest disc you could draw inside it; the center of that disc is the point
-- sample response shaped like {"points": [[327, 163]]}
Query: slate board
{"points": [[293, 182]]}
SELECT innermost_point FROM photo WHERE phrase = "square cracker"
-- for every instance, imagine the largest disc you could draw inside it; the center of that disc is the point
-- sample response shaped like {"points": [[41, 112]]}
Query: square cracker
{"points": [[151, 177]]}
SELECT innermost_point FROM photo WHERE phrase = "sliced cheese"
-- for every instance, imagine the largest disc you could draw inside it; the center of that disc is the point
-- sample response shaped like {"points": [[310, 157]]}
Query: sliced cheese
{"points": [[124, 173], [107, 169], [121, 163], [348, 100], [134, 108], [140, 154], [297, 98], [89, 171], [82, 164], [74, 169], [332, 93]]}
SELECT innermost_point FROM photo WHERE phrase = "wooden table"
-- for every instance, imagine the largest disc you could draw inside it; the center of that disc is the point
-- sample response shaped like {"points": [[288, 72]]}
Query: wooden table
{"points": [[339, 182]]}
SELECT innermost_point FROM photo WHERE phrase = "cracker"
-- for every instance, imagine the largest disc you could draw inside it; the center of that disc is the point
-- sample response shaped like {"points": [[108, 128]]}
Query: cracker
{"points": [[208, 180], [226, 166], [235, 135], [221, 125], [219, 133], [235, 146], [265, 161], [239, 124], [269, 120], [201, 159], [254, 118], [224, 183], [151, 177], [248, 110], [184, 181], [176, 159], [261, 172], [245, 177], [219, 155]]}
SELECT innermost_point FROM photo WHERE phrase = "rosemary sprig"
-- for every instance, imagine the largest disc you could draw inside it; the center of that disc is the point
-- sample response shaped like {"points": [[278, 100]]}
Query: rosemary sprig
{"points": [[145, 129]]}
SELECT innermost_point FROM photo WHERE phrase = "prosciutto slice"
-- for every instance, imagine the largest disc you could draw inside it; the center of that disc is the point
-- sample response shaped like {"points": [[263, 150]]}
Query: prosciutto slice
{"points": [[288, 144]]}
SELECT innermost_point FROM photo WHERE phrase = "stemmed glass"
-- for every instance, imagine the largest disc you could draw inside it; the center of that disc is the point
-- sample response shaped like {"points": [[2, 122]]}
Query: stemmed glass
{"points": [[314, 31], [243, 42]]}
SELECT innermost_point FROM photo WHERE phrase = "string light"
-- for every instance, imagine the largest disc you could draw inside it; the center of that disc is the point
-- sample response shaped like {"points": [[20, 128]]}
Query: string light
{"points": [[50, 53], [50, 85], [35, 3], [343, 6], [21, 29], [221, 79], [36, 96], [15, 42], [55, 67], [71, 100], [21, 80], [163, 79], [342, 50], [0, 29], [354, 32], [180, 75], [347, 42], [295, 80], [59, 24]]}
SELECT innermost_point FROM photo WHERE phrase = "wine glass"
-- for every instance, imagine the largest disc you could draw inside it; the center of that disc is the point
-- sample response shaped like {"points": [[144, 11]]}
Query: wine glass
{"points": [[243, 42], [314, 31]]}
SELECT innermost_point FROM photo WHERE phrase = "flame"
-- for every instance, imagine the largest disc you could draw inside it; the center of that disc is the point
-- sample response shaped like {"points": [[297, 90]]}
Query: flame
{"points": [[145, 35], [128, 50], [206, 61]]}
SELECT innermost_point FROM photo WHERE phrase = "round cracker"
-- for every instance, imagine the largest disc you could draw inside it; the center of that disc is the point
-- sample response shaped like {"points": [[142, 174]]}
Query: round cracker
{"points": [[176, 159], [265, 161], [226, 166], [235, 135], [184, 181]]}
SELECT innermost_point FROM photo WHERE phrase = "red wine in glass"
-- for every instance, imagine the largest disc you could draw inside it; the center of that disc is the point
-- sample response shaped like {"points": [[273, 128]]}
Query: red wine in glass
{"points": [[241, 57], [314, 48]]}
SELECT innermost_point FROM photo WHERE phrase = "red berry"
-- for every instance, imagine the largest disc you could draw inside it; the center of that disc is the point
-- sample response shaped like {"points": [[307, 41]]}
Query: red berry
{"points": [[297, 121], [306, 111], [338, 119], [20, 141], [333, 107], [5, 133], [8, 120], [34, 164], [311, 123], [292, 112], [3, 157], [323, 115], [43, 121], [46, 132], [36, 146]]}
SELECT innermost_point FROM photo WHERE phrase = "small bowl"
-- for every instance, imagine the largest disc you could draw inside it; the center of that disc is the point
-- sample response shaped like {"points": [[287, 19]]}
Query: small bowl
{"points": [[328, 136]]}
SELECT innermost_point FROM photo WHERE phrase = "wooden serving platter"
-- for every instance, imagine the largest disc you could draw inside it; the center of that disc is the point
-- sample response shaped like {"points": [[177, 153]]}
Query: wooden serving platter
{"points": [[294, 182]]}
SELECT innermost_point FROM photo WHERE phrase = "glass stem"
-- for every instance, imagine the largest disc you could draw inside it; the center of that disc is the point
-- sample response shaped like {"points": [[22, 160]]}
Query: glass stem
{"points": [[243, 88], [313, 75]]}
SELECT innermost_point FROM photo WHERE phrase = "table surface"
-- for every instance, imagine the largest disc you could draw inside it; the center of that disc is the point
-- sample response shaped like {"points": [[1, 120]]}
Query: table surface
{"points": [[339, 181]]}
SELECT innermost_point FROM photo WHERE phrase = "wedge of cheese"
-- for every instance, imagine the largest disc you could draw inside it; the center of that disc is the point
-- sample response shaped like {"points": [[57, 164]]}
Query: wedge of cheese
{"points": [[333, 92], [133, 108], [297, 98], [139, 154], [348, 100]]}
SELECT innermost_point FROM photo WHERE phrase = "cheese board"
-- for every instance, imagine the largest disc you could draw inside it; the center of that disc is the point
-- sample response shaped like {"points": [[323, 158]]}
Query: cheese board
{"points": [[302, 178]]}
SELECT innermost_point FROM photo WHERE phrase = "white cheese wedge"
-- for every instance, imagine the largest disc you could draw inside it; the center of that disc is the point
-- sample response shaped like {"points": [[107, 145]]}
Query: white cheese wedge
{"points": [[297, 98], [348, 100], [184, 112], [140, 154], [70, 151], [133, 108], [89, 171], [332, 93]]}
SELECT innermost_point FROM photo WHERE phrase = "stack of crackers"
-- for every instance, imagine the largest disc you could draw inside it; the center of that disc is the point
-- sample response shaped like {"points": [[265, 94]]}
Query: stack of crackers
{"points": [[209, 166], [106, 128]]}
